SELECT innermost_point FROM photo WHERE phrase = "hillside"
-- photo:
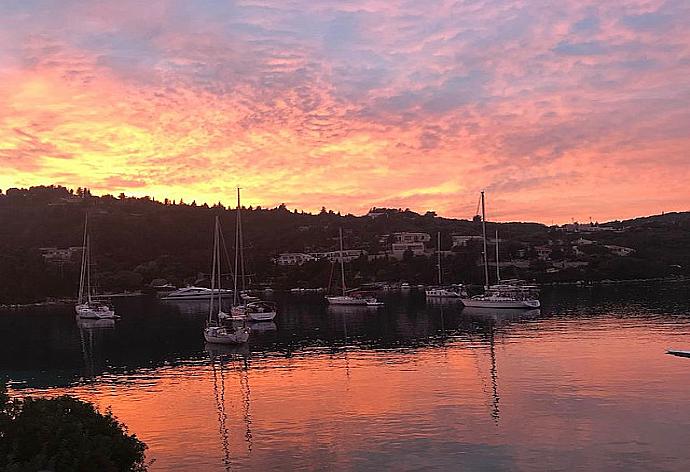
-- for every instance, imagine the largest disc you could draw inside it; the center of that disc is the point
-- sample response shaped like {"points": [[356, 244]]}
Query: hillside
{"points": [[138, 240]]}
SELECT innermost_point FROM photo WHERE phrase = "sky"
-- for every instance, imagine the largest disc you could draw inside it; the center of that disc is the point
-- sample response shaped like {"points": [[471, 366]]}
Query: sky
{"points": [[558, 110]]}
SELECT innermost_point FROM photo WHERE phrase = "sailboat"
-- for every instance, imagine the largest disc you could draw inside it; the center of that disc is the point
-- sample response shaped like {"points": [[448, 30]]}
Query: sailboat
{"points": [[346, 299], [246, 307], [510, 293], [453, 291], [214, 332], [87, 308]]}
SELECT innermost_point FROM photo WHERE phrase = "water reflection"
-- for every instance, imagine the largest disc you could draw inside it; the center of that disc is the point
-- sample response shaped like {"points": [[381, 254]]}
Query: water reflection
{"points": [[409, 386]]}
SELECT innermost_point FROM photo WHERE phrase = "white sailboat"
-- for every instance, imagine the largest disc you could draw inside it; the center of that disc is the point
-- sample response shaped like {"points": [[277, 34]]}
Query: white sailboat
{"points": [[214, 332], [509, 294], [452, 291], [346, 299], [245, 306], [87, 307]]}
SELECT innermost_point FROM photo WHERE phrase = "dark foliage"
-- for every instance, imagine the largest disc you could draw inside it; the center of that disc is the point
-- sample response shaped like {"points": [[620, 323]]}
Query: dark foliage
{"points": [[137, 240], [64, 434]]}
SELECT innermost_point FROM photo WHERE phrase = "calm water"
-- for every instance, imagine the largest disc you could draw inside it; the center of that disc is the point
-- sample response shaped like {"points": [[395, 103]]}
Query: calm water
{"points": [[582, 384]]}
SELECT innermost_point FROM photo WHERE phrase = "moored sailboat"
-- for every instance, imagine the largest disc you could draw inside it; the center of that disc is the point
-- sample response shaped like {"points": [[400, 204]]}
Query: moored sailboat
{"points": [[214, 332], [87, 307], [441, 291], [510, 293], [346, 299], [245, 306]]}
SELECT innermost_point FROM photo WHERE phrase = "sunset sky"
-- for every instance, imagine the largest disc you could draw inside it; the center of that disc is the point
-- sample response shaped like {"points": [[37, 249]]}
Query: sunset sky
{"points": [[559, 110]]}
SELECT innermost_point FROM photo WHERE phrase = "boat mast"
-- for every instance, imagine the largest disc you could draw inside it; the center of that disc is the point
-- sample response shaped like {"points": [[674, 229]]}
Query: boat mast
{"points": [[88, 268], [498, 269], [486, 259], [235, 297], [214, 263], [82, 275], [438, 251], [342, 264], [218, 274], [241, 239]]}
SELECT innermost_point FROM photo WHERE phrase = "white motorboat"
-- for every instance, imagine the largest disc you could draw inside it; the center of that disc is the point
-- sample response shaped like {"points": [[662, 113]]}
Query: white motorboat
{"points": [[506, 294], [213, 332], [197, 293], [87, 306]]}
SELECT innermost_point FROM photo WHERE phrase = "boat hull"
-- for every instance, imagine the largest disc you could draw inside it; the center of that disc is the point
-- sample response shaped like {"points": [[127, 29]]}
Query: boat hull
{"points": [[350, 301], [488, 303], [85, 312], [442, 294], [262, 316], [216, 335]]}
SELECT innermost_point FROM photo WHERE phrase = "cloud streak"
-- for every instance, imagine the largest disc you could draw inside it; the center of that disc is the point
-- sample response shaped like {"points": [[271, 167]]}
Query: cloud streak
{"points": [[571, 110]]}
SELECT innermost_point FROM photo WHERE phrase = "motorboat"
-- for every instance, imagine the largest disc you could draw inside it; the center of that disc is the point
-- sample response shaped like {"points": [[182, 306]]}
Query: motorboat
{"points": [[197, 293], [676, 352]]}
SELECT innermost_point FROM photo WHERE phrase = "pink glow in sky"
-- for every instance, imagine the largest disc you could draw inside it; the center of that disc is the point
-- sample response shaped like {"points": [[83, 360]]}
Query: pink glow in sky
{"points": [[559, 110]]}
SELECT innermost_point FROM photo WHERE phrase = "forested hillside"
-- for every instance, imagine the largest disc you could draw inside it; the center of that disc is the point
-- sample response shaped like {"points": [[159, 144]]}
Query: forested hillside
{"points": [[138, 240]]}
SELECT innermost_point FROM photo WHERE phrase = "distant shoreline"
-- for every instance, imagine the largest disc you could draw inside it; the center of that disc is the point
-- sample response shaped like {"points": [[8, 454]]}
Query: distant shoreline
{"points": [[580, 283]]}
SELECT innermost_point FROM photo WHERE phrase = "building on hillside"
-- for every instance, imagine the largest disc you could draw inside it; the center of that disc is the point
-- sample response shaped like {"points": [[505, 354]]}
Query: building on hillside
{"points": [[293, 258], [398, 249], [349, 255], [543, 252], [583, 242], [460, 240], [619, 250], [55, 255], [406, 237], [584, 228]]}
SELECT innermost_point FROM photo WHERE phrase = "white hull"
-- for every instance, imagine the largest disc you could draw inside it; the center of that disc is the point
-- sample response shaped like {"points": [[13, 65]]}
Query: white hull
{"points": [[441, 294], [498, 303], [345, 300], [202, 296], [221, 335], [86, 312], [262, 316]]}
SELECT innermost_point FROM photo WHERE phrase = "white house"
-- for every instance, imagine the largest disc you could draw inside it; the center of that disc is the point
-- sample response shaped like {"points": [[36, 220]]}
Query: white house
{"points": [[460, 240], [294, 258]]}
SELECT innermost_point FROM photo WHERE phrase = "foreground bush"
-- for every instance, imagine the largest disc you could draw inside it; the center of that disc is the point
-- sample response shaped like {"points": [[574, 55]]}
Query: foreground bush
{"points": [[64, 434]]}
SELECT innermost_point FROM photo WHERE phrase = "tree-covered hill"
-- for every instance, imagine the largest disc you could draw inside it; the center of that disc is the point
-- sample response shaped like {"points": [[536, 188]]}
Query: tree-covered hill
{"points": [[137, 240]]}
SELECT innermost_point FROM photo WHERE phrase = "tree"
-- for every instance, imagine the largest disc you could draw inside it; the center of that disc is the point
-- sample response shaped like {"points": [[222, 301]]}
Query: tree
{"points": [[64, 433]]}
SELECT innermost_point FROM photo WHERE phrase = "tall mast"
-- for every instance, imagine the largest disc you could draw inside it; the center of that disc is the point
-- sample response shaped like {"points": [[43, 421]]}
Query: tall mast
{"points": [[498, 269], [88, 268], [218, 273], [438, 251], [214, 263], [486, 259], [342, 263], [82, 275], [241, 241], [237, 252]]}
